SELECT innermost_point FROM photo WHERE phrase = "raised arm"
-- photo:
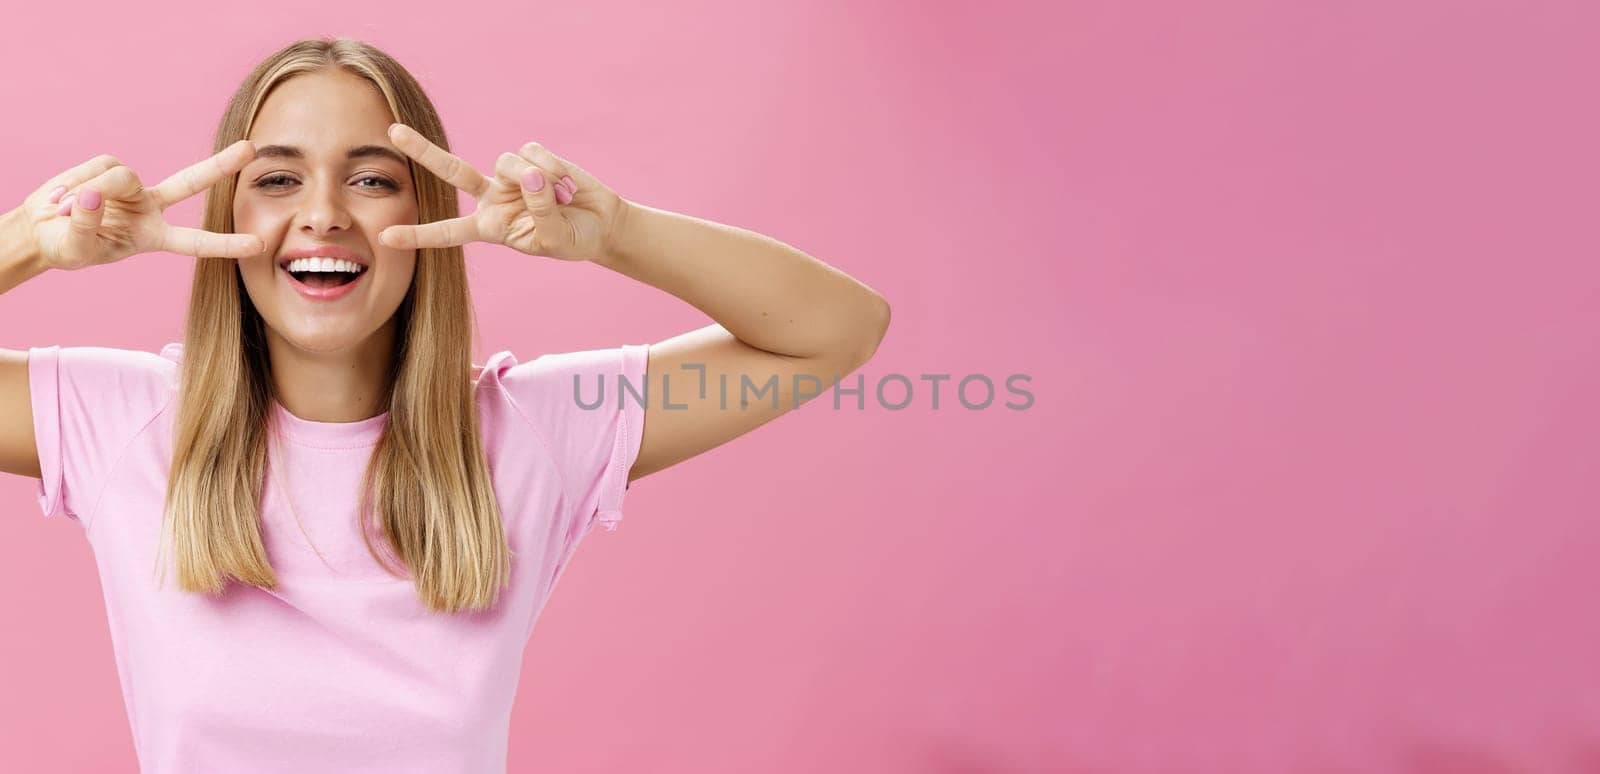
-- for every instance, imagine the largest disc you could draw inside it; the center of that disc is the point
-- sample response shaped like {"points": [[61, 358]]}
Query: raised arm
{"points": [[784, 320], [96, 213], [19, 262], [787, 326]]}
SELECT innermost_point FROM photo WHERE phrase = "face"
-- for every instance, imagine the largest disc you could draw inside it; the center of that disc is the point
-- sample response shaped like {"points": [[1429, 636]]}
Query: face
{"points": [[324, 183]]}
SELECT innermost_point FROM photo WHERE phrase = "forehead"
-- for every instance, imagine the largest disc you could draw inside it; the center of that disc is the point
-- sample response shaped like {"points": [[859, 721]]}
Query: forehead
{"points": [[323, 112]]}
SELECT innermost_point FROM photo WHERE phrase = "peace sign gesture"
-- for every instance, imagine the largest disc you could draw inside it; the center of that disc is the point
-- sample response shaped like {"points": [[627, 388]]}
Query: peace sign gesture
{"points": [[98, 212], [535, 203]]}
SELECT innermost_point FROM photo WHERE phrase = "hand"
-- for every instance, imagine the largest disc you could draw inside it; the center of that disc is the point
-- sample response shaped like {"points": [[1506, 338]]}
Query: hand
{"points": [[535, 203], [98, 212]]}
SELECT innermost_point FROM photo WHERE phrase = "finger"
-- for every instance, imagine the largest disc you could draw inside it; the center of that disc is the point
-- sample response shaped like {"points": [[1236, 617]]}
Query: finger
{"points": [[550, 163], [77, 175], [582, 178], [205, 244], [80, 238], [443, 233], [437, 160], [198, 177], [539, 192], [118, 182]]}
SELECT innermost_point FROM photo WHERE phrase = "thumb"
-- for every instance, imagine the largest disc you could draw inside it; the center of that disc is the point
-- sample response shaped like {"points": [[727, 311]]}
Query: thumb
{"points": [[81, 241], [538, 193], [538, 190]]}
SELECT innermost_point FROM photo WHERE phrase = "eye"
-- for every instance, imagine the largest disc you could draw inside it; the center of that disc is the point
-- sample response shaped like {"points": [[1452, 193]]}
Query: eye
{"points": [[273, 181], [382, 182], [283, 181]]}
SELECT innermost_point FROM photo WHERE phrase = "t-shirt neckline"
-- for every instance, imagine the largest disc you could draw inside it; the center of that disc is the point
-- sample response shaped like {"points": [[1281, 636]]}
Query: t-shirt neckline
{"points": [[362, 432]]}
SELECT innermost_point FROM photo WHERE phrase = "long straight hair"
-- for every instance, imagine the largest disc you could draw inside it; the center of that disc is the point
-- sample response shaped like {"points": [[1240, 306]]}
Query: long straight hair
{"points": [[426, 490]]}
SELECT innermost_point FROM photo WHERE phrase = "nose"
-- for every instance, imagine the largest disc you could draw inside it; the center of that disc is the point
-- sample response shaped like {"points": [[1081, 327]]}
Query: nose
{"points": [[324, 209]]}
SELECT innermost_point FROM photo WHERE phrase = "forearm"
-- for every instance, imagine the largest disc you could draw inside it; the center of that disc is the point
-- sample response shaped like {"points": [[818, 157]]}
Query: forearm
{"points": [[766, 293], [19, 261]]}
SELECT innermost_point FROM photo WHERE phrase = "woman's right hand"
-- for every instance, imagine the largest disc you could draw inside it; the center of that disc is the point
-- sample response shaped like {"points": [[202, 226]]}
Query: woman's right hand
{"points": [[98, 212]]}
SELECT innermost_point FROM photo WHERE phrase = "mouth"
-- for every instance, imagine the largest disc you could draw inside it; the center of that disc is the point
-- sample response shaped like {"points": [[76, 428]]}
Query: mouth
{"points": [[323, 277]]}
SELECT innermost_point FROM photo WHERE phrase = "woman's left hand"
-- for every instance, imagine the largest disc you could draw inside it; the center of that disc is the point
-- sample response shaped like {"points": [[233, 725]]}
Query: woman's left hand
{"points": [[534, 203]]}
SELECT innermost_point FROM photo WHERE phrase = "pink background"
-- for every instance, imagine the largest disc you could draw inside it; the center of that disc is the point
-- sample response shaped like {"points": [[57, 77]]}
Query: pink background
{"points": [[1308, 297]]}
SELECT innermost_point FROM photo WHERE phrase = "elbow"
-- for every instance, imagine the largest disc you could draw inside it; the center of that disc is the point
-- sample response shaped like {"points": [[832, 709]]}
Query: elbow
{"points": [[856, 334], [880, 319], [873, 329]]}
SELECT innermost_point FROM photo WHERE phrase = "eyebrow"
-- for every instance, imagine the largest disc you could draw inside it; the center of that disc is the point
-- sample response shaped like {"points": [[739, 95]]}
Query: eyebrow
{"points": [[358, 152]]}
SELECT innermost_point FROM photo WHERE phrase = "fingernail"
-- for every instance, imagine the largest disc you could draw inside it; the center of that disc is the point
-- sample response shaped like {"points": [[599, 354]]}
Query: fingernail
{"points": [[532, 180], [66, 204], [55, 193], [571, 186], [563, 196], [89, 199]]}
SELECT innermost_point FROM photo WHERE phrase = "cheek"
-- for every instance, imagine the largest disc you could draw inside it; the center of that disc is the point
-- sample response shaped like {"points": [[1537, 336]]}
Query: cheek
{"points": [[401, 262], [399, 269], [263, 220], [249, 219], [396, 211]]}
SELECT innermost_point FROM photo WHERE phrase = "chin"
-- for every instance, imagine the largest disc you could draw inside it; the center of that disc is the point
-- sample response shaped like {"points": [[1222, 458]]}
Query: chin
{"points": [[321, 341]]}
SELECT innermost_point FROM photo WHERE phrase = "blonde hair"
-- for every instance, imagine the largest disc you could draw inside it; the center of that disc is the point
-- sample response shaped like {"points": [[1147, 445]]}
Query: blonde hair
{"points": [[426, 489]]}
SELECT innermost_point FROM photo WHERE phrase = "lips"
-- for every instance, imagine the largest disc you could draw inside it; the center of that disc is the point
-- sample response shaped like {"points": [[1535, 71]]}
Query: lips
{"points": [[321, 251], [323, 272]]}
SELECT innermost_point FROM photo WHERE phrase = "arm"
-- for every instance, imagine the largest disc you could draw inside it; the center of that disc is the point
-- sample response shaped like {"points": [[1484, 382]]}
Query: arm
{"points": [[779, 312], [19, 262], [96, 213]]}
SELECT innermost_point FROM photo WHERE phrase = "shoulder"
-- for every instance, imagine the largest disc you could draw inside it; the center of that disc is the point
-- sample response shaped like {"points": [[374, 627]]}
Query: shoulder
{"points": [[89, 404], [554, 385], [128, 374], [572, 400], [585, 408]]}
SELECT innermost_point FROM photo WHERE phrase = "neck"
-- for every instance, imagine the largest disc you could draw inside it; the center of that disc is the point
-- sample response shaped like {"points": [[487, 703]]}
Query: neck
{"points": [[345, 385]]}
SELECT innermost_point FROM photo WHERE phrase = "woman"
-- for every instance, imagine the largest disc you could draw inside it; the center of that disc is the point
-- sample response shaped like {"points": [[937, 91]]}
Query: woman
{"points": [[365, 525]]}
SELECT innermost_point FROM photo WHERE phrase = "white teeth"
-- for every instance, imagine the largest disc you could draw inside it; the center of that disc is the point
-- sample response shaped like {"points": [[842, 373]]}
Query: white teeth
{"points": [[320, 263]]}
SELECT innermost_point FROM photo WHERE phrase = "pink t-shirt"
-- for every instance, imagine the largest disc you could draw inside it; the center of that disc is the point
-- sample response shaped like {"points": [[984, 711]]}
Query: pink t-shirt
{"points": [[342, 668]]}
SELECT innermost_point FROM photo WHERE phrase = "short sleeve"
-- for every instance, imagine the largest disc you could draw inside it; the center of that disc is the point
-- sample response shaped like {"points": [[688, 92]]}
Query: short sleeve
{"points": [[588, 407], [88, 403]]}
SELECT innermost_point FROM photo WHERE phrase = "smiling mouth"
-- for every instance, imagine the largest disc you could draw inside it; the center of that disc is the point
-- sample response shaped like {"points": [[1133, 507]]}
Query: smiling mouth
{"points": [[323, 273]]}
